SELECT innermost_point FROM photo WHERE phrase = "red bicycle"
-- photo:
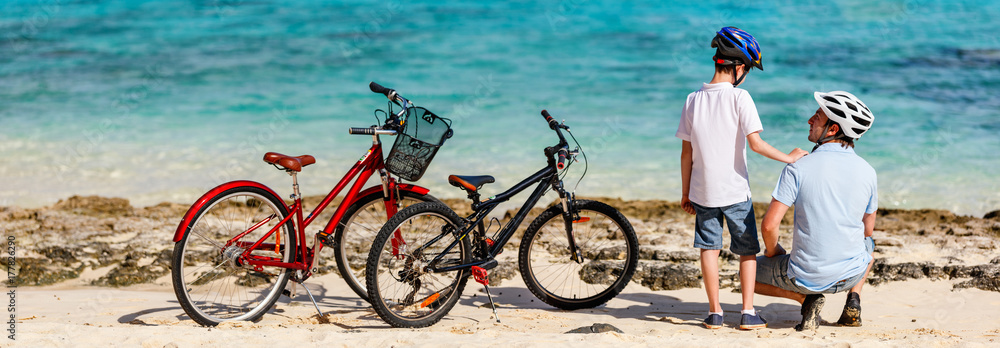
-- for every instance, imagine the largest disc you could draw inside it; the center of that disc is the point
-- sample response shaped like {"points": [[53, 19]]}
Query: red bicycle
{"points": [[239, 244]]}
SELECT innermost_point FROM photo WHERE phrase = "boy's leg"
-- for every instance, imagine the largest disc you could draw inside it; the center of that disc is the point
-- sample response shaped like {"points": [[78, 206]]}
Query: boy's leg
{"points": [[710, 274], [708, 238], [744, 242], [748, 278]]}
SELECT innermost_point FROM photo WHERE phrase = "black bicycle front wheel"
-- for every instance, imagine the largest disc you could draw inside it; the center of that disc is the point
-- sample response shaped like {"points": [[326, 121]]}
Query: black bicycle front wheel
{"points": [[211, 281], [403, 286], [358, 228], [607, 245]]}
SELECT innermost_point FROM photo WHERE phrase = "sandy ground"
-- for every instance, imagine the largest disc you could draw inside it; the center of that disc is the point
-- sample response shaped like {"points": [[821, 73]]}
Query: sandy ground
{"points": [[911, 313], [936, 283]]}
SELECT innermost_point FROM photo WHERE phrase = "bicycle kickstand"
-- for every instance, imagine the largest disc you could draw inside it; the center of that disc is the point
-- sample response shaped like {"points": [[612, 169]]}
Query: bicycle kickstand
{"points": [[291, 294], [321, 317], [483, 278]]}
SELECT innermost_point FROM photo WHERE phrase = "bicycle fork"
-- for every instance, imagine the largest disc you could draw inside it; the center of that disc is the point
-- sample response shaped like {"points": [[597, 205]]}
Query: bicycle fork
{"points": [[570, 216]]}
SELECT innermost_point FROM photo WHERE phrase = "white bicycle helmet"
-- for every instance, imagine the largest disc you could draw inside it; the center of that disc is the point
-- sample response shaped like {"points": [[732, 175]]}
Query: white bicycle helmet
{"points": [[847, 111]]}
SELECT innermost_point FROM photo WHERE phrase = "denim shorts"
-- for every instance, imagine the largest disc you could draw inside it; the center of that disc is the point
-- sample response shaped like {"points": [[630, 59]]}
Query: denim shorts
{"points": [[774, 271], [742, 228]]}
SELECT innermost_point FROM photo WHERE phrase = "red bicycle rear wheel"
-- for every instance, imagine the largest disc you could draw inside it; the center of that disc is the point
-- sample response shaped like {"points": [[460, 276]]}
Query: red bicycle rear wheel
{"points": [[212, 284]]}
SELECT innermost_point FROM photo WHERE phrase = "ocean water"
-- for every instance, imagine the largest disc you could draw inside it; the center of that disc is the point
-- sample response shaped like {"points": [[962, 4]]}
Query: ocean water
{"points": [[161, 100]]}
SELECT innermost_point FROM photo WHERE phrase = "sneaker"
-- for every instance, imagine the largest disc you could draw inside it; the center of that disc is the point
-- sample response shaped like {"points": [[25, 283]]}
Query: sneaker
{"points": [[714, 321], [750, 322], [852, 311], [810, 312]]}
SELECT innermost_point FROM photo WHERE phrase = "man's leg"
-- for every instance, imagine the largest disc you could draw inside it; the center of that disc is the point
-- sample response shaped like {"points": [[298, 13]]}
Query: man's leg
{"points": [[774, 291], [851, 316], [774, 270]]}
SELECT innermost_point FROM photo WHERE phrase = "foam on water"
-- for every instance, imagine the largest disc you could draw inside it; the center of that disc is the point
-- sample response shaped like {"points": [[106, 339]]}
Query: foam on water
{"points": [[161, 100]]}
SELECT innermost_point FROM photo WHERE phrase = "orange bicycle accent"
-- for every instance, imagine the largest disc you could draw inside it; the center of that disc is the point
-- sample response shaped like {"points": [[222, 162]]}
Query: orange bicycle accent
{"points": [[277, 243], [430, 300]]}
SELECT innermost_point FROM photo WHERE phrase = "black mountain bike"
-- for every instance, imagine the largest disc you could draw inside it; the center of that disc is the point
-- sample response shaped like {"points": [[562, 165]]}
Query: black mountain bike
{"points": [[576, 254]]}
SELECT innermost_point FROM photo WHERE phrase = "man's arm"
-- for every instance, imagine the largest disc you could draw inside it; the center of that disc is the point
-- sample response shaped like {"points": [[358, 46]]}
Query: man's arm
{"points": [[769, 228], [687, 160], [760, 146], [869, 220]]}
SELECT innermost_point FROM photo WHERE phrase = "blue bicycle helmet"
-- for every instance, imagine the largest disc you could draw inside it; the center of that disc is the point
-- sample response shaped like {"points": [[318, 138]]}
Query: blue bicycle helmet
{"points": [[735, 46]]}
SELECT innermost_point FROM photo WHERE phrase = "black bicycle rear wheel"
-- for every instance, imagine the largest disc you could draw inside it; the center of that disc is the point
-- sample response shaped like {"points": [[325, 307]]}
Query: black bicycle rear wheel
{"points": [[606, 242], [402, 286], [356, 231]]}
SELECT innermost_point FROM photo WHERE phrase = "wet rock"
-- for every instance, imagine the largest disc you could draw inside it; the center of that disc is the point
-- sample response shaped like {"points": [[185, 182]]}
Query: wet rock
{"points": [[601, 272], [648, 253], [985, 277], [59, 254], [129, 272], [883, 271], [993, 215], [95, 206], [596, 328], [40, 272], [667, 276]]}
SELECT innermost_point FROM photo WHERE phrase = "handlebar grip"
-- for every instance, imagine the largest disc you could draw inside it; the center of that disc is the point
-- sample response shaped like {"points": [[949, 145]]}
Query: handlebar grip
{"points": [[561, 161], [366, 131], [377, 88], [552, 121]]}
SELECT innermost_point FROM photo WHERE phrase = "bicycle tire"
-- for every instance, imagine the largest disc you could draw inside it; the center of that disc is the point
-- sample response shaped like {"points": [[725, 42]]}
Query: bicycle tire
{"points": [[230, 291], [357, 230], [401, 293], [607, 243]]}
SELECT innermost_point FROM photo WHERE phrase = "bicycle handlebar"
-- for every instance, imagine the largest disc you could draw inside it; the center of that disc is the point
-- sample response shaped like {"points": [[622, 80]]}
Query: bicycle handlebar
{"points": [[563, 152], [561, 161], [552, 122], [358, 130], [371, 131], [390, 93], [377, 88]]}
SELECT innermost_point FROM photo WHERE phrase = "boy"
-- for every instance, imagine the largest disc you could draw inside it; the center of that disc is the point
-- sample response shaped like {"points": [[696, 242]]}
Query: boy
{"points": [[717, 123]]}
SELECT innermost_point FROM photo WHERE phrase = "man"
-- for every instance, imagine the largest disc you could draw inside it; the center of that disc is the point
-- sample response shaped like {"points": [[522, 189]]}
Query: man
{"points": [[835, 198]]}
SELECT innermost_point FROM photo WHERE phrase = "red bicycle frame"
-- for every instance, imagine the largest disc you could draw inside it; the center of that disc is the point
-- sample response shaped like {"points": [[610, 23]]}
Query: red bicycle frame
{"points": [[367, 166]]}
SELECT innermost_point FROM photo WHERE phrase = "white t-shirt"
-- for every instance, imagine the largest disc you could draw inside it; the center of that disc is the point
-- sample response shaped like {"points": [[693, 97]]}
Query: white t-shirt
{"points": [[716, 120]]}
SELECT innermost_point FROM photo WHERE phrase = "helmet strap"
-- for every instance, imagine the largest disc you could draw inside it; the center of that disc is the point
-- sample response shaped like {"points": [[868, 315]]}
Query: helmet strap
{"points": [[740, 79], [823, 140]]}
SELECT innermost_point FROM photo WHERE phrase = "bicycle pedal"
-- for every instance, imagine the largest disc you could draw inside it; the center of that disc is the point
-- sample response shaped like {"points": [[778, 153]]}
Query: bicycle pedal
{"points": [[481, 276], [325, 238], [286, 293]]}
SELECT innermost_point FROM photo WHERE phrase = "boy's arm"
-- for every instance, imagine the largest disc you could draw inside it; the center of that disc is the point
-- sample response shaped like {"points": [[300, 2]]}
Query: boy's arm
{"points": [[760, 146], [769, 228], [687, 161]]}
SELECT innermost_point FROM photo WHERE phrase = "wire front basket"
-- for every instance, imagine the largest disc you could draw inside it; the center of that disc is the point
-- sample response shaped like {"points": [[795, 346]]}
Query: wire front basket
{"points": [[420, 137]]}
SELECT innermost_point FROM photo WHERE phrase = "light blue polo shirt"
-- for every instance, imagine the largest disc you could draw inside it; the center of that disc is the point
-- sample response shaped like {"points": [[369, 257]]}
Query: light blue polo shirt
{"points": [[831, 189]]}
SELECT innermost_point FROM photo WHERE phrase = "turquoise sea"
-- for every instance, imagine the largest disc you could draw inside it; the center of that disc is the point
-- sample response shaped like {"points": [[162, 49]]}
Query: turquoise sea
{"points": [[160, 100]]}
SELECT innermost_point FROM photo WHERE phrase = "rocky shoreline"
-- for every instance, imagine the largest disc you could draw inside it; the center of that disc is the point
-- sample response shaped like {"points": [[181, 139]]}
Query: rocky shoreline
{"points": [[105, 242]]}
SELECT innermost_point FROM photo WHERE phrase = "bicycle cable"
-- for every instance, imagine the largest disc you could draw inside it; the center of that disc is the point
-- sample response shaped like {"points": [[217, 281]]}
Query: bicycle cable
{"points": [[586, 164]]}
